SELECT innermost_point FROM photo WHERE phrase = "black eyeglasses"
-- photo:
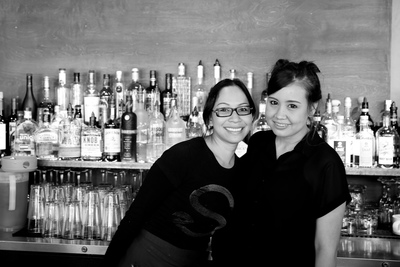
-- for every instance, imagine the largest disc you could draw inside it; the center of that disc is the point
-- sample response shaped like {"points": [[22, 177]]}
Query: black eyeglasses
{"points": [[226, 112]]}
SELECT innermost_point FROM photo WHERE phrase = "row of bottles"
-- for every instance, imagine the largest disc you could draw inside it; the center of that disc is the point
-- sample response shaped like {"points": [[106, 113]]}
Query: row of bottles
{"points": [[356, 138]]}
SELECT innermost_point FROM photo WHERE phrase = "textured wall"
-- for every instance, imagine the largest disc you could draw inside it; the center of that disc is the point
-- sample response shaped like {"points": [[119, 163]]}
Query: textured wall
{"points": [[348, 39]]}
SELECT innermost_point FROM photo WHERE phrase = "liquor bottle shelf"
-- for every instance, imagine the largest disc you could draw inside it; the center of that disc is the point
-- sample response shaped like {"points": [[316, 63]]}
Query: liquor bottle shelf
{"points": [[373, 171], [93, 164]]}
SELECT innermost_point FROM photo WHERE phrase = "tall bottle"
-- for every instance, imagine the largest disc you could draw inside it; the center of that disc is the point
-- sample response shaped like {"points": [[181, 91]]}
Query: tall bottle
{"points": [[133, 89], [29, 99], [394, 124], [142, 124], [12, 125], [150, 92], [330, 124], [260, 124], [386, 138], [175, 128], [217, 71], [112, 136], [69, 131], [156, 146], [349, 132], [4, 147], [47, 102], [119, 91], [63, 92], [77, 91], [46, 139], [24, 144], [166, 96], [264, 93], [128, 133], [365, 112], [365, 141], [200, 89], [91, 141], [183, 89], [91, 99], [232, 74], [250, 82], [106, 94]]}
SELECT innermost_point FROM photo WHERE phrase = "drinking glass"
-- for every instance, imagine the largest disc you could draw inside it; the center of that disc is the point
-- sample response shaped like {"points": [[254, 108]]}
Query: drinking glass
{"points": [[36, 209]]}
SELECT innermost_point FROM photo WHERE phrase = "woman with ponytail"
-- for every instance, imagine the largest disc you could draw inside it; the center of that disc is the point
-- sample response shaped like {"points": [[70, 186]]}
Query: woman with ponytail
{"points": [[295, 194]]}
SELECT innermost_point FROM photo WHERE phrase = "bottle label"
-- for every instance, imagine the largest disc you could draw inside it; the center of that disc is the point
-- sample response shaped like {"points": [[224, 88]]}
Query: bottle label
{"points": [[366, 153], [112, 140], [385, 150], [128, 147], [91, 146]]}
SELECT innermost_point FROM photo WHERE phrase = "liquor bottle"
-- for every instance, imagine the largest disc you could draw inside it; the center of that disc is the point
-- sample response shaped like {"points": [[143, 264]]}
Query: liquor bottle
{"points": [[349, 131], [47, 102], [330, 124], [365, 112], [91, 141], [385, 111], [39, 117], [335, 108], [91, 99], [175, 128], [264, 93], [183, 89], [119, 91], [57, 118], [250, 82], [232, 74], [386, 138], [356, 111], [260, 124], [29, 99], [4, 148], [156, 146], [69, 131], [166, 96], [77, 91], [318, 127], [142, 124], [128, 133], [12, 125], [133, 88], [112, 136], [78, 114], [328, 101], [24, 136], [150, 92], [63, 92], [46, 139], [199, 89], [194, 128], [365, 141], [394, 124], [217, 71], [106, 93]]}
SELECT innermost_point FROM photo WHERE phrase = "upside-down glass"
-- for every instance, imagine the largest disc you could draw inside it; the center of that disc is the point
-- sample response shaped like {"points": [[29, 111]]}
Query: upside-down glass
{"points": [[36, 210]]}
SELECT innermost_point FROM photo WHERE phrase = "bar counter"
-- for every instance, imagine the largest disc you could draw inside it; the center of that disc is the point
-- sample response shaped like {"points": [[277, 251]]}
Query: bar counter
{"points": [[352, 251]]}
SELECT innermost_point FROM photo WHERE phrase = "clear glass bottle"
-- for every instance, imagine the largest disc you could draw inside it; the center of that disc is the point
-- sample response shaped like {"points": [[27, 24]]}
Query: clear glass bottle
{"points": [[150, 92], [106, 93], [200, 89], [29, 99], [142, 124], [217, 71], [330, 124], [194, 128], [112, 136], [349, 132], [250, 83], [167, 95], [24, 143], [365, 141], [128, 132], [46, 139], [175, 128], [133, 88], [91, 99], [57, 118], [91, 141], [46, 101], [386, 138], [4, 148], [77, 91], [69, 131], [260, 124], [156, 146], [119, 93], [63, 92], [12, 125], [184, 93], [232, 74]]}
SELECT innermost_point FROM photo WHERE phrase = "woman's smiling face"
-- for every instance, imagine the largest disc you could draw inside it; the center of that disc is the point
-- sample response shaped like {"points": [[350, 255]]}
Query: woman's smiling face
{"points": [[287, 112]]}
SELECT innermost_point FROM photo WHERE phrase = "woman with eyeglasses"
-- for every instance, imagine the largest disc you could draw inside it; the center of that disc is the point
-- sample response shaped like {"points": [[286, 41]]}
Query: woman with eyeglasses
{"points": [[295, 194], [187, 196]]}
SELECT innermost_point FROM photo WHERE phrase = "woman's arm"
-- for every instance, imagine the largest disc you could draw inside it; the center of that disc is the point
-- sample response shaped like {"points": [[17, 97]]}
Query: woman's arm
{"points": [[327, 237]]}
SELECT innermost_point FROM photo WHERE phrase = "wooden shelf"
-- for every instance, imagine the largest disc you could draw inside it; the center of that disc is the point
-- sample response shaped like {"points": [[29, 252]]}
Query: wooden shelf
{"points": [[372, 171], [93, 164]]}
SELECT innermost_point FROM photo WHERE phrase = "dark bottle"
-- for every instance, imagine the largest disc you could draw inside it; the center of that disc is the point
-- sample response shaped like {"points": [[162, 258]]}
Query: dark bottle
{"points": [[151, 92], [264, 93], [12, 124], [29, 99], [318, 127], [112, 136], [166, 96], [4, 148], [128, 133], [365, 112]]}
